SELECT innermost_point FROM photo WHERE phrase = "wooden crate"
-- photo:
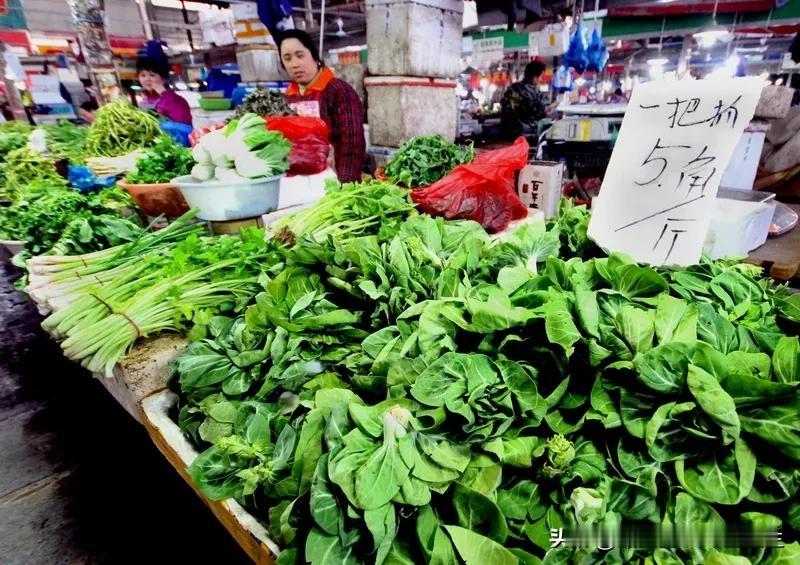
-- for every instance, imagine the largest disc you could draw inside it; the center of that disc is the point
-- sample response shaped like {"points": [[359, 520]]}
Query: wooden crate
{"points": [[248, 532]]}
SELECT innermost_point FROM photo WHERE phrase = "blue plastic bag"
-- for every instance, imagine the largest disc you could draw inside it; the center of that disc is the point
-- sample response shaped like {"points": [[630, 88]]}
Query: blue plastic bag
{"points": [[562, 80], [177, 131], [85, 180], [596, 52], [576, 56]]}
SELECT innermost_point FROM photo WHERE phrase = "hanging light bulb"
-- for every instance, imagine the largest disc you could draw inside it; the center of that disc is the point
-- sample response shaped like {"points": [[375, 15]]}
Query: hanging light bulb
{"points": [[708, 36]]}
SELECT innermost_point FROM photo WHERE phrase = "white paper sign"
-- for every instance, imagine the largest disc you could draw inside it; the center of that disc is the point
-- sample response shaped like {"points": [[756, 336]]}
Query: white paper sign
{"points": [[674, 145]]}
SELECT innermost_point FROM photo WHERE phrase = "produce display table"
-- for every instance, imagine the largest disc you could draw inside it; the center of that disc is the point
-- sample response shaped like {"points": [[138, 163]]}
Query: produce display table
{"points": [[142, 372], [780, 256], [251, 536]]}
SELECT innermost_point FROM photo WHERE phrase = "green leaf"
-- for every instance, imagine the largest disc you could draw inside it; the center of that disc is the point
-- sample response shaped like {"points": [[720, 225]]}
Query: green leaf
{"points": [[324, 507], [558, 322], [675, 320], [308, 450], [479, 513], [637, 327], [634, 281], [715, 402], [521, 502], [475, 549], [723, 477], [664, 368], [324, 549], [382, 525], [777, 424], [588, 311], [382, 476], [786, 359]]}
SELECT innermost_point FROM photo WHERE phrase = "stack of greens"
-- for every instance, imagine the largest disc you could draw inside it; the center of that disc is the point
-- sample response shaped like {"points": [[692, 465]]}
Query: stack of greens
{"points": [[178, 284], [120, 128], [418, 392], [65, 140], [162, 162], [425, 159], [59, 220], [25, 166], [263, 102]]}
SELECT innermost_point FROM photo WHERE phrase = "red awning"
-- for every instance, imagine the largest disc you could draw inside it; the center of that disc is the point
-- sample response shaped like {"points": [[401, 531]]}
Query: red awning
{"points": [[16, 38], [682, 7]]}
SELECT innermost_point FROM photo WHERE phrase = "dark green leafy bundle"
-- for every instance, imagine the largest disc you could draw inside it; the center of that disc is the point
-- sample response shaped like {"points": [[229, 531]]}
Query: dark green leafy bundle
{"points": [[428, 394], [162, 162], [10, 141], [425, 159], [16, 126], [25, 166], [47, 216], [263, 102], [65, 140]]}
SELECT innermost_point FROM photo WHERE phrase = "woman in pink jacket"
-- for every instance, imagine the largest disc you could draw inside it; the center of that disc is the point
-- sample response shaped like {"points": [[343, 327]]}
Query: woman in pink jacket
{"points": [[157, 94]]}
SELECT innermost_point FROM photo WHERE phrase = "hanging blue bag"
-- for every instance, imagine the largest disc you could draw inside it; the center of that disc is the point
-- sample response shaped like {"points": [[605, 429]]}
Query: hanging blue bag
{"points": [[575, 56], [596, 52], [562, 79]]}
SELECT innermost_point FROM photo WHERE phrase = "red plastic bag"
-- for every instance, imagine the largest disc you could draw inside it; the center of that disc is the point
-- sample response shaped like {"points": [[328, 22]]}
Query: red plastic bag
{"points": [[482, 190], [195, 136], [310, 145]]}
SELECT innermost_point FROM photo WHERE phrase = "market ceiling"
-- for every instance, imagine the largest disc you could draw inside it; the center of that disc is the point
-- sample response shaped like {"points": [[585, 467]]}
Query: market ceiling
{"points": [[623, 8]]}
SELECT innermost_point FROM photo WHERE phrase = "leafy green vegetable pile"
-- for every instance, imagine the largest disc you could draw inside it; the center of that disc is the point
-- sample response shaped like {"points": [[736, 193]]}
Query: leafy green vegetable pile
{"points": [[262, 102], [65, 140], [162, 162], [418, 392], [161, 281], [425, 159], [59, 220], [24, 166], [120, 128], [11, 141]]}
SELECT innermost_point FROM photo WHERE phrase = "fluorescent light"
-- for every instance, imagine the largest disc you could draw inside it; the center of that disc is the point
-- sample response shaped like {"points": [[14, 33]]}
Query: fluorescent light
{"points": [[661, 61], [710, 35]]}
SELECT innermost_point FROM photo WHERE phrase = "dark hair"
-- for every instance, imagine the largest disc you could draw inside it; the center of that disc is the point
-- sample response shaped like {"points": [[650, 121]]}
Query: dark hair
{"points": [[303, 38], [153, 65], [533, 70], [89, 106], [618, 92]]}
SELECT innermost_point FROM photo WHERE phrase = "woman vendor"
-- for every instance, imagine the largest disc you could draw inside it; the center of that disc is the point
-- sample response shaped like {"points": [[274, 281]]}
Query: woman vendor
{"points": [[314, 91], [158, 95]]}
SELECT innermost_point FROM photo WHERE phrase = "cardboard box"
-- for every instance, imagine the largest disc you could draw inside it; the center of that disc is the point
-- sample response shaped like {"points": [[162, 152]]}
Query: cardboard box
{"points": [[248, 27], [414, 37], [742, 168], [539, 186], [402, 107]]}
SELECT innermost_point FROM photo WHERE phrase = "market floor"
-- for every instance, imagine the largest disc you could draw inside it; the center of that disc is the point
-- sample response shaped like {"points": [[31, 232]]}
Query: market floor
{"points": [[80, 481]]}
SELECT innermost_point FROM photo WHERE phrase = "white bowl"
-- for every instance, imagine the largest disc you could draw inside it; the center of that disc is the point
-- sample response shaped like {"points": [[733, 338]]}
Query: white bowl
{"points": [[13, 246], [220, 201]]}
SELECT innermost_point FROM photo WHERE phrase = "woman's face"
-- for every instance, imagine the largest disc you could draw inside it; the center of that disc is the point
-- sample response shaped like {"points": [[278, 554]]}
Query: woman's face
{"points": [[299, 63], [150, 80]]}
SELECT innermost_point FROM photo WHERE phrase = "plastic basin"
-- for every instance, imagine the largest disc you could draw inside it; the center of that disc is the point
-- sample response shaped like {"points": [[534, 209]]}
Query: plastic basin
{"points": [[215, 104], [13, 246], [221, 201], [157, 199]]}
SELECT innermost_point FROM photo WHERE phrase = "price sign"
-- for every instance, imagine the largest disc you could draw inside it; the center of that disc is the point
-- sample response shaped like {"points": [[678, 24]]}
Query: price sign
{"points": [[674, 145]]}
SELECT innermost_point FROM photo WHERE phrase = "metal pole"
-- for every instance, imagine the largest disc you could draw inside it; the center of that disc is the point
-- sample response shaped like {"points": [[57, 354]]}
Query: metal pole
{"points": [[186, 21], [148, 29], [309, 16], [322, 32]]}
